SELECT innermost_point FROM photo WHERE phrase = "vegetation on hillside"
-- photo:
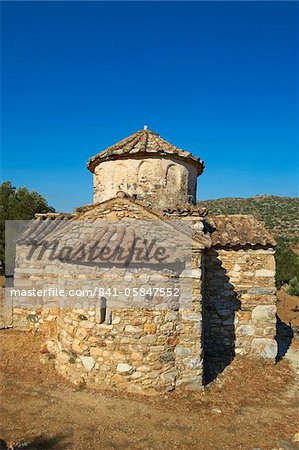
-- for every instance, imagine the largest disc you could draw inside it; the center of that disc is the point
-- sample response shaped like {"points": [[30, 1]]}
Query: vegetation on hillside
{"points": [[287, 267], [18, 204], [280, 215]]}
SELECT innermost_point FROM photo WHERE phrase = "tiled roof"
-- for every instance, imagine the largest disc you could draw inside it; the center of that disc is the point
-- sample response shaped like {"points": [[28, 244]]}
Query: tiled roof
{"points": [[238, 231], [57, 229], [223, 231], [188, 210], [141, 143], [39, 228], [44, 225]]}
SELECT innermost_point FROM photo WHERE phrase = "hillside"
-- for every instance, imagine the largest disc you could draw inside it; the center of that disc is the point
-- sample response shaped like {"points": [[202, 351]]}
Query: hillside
{"points": [[280, 214]]}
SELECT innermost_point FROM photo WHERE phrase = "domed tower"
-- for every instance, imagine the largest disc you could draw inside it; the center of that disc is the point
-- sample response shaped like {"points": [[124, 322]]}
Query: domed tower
{"points": [[147, 167]]}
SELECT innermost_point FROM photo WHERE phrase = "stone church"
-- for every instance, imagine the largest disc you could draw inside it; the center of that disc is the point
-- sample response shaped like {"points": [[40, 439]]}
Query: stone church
{"points": [[150, 186]]}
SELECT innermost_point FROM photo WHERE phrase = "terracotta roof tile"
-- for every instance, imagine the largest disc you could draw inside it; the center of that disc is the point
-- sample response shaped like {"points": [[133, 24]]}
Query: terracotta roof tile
{"points": [[238, 231], [188, 210], [44, 225], [143, 142], [41, 227], [225, 231]]}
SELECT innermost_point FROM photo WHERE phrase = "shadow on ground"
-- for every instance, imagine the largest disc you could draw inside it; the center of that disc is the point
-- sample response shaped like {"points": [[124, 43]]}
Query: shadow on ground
{"points": [[39, 443], [284, 336]]}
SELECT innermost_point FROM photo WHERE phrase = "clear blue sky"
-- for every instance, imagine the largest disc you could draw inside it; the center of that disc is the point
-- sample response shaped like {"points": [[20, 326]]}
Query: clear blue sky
{"points": [[217, 79]]}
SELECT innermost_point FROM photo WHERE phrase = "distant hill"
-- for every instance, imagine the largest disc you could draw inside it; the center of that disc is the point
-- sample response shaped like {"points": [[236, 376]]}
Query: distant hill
{"points": [[280, 214]]}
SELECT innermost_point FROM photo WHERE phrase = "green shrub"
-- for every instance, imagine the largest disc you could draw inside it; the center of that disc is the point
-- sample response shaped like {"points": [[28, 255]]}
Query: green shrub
{"points": [[287, 264], [293, 288], [18, 204]]}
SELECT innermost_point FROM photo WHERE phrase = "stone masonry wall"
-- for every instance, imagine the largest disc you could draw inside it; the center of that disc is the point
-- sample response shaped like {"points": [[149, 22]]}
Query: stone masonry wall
{"points": [[239, 308], [152, 349], [161, 182], [146, 350], [134, 352], [140, 350], [32, 314]]}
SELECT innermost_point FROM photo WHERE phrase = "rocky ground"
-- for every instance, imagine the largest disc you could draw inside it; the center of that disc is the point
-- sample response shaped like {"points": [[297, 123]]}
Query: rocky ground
{"points": [[252, 406]]}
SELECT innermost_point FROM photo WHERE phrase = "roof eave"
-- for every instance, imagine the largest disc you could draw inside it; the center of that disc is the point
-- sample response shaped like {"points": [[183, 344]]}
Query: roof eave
{"points": [[93, 162]]}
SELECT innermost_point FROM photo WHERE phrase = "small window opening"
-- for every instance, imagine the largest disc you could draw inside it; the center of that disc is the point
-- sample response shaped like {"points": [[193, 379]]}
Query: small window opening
{"points": [[103, 310]]}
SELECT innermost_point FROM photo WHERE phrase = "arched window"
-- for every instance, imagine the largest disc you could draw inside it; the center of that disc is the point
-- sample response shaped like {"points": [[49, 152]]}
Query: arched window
{"points": [[120, 178], [173, 176], [144, 173]]}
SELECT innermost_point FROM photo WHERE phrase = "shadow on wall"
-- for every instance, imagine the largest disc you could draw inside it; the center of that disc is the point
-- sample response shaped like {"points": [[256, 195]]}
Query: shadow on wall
{"points": [[220, 304]]}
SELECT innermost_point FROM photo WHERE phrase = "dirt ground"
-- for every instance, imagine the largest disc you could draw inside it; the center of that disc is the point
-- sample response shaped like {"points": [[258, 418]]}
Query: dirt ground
{"points": [[251, 406]]}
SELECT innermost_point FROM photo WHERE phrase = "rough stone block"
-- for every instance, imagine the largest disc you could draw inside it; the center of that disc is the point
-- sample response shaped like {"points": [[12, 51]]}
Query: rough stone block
{"points": [[264, 313], [169, 376], [133, 329], [245, 330], [182, 352], [191, 316], [149, 327], [124, 368], [265, 273], [88, 362], [262, 291], [265, 348]]}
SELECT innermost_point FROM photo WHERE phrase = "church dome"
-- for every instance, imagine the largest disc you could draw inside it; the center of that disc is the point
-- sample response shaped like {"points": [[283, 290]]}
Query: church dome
{"points": [[146, 166], [144, 142]]}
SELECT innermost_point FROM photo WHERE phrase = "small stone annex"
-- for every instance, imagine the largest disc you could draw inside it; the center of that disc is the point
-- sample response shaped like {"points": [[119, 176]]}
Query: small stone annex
{"points": [[231, 302]]}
